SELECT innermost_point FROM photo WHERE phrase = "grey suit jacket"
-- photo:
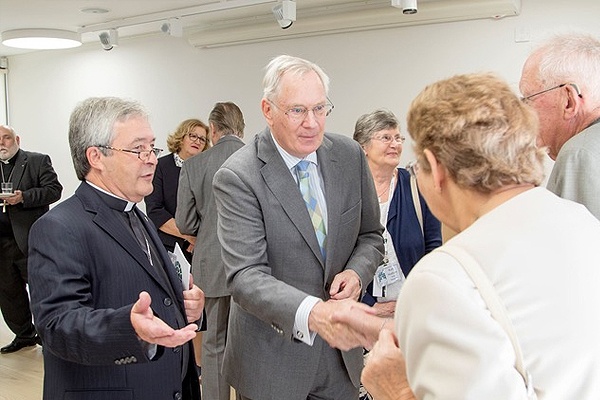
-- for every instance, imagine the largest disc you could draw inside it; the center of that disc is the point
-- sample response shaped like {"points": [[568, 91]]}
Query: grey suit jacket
{"points": [[196, 214], [575, 172], [85, 272], [272, 259]]}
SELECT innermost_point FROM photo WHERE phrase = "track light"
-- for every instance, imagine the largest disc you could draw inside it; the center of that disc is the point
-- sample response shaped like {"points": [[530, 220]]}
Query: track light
{"points": [[407, 6], [285, 13], [109, 39], [173, 27]]}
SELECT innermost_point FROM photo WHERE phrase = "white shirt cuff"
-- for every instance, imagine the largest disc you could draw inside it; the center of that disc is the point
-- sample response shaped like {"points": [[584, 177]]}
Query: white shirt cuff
{"points": [[301, 331]]}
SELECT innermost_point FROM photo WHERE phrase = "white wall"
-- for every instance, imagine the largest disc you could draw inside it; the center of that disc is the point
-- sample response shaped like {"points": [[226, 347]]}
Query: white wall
{"points": [[368, 70]]}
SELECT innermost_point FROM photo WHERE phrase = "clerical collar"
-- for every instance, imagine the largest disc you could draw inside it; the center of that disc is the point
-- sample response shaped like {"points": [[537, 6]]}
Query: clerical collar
{"points": [[113, 200]]}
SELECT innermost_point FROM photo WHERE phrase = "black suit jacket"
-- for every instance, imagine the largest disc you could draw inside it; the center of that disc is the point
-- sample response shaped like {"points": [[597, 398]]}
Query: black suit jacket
{"points": [[85, 272], [162, 202], [34, 176]]}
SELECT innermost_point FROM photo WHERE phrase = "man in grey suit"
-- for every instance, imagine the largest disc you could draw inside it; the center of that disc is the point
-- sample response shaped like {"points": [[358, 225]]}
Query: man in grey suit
{"points": [[113, 316], [35, 186], [196, 214], [290, 266], [561, 81]]}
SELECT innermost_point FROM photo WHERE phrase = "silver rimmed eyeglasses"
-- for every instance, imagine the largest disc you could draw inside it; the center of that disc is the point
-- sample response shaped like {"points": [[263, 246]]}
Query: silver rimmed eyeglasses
{"points": [[193, 137], [387, 139], [143, 155], [413, 168], [299, 113], [527, 98]]}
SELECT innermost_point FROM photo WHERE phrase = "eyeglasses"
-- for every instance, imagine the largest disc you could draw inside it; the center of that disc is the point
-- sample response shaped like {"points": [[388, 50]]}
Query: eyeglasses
{"points": [[193, 137], [527, 98], [387, 139], [143, 155], [299, 113], [413, 168]]}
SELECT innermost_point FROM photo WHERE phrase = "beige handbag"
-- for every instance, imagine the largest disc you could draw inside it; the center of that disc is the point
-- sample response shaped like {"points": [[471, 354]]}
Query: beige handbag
{"points": [[495, 305]]}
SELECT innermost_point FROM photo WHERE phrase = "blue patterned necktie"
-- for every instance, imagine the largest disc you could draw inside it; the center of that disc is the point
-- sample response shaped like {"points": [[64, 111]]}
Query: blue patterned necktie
{"points": [[312, 205]]}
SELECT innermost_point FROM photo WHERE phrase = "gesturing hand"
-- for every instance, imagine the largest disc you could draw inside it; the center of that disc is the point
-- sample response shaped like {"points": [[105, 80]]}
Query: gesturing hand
{"points": [[152, 329]]}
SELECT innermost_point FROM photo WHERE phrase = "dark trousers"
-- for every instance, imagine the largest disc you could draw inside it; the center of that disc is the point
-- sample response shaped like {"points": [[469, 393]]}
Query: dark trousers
{"points": [[14, 301]]}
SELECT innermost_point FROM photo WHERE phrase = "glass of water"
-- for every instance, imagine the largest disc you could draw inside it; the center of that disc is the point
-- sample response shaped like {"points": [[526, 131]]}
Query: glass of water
{"points": [[7, 187]]}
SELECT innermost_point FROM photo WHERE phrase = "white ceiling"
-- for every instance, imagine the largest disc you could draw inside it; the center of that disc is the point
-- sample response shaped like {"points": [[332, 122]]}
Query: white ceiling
{"points": [[231, 21]]}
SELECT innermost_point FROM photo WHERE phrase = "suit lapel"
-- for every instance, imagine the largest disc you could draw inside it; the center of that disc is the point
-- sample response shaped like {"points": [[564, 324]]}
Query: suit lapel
{"points": [[117, 229], [284, 188], [19, 169], [333, 182]]}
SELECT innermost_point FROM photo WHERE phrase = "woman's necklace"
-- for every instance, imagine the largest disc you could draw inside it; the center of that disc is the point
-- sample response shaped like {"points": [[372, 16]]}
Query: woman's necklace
{"points": [[388, 188]]}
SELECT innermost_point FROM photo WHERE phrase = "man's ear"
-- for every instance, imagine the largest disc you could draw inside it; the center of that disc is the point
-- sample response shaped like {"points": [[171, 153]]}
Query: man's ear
{"points": [[438, 171], [267, 110], [574, 103], [94, 157]]}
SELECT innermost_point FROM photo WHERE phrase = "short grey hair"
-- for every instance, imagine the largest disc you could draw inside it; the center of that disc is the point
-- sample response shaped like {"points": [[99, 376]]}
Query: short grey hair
{"points": [[571, 58], [227, 119], [92, 124], [285, 64], [368, 124]]}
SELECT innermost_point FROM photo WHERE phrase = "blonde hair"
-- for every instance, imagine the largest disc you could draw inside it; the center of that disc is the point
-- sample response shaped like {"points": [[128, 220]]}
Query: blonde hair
{"points": [[175, 139], [479, 130]]}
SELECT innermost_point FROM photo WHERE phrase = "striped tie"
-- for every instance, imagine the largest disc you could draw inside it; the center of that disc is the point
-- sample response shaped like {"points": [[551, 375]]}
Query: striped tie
{"points": [[311, 204]]}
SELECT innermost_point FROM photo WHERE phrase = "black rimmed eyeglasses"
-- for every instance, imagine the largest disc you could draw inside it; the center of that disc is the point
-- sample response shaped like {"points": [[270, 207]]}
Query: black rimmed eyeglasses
{"points": [[143, 155], [193, 137], [527, 98]]}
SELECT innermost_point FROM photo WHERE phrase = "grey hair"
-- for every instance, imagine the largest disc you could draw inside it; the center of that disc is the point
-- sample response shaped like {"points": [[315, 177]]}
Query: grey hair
{"points": [[284, 64], [227, 118], [368, 124], [9, 129], [571, 58], [92, 124]]}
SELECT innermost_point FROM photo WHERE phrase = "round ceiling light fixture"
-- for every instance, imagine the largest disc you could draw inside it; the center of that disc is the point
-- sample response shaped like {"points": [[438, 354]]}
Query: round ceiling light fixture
{"points": [[41, 39]]}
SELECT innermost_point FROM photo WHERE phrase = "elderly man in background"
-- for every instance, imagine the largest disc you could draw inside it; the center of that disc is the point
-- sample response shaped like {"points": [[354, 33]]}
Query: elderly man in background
{"points": [[35, 186], [196, 215], [561, 81]]}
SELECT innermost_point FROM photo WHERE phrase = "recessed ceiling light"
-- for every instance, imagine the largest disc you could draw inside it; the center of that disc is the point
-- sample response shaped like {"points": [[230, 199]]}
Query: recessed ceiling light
{"points": [[41, 39], [94, 10]]}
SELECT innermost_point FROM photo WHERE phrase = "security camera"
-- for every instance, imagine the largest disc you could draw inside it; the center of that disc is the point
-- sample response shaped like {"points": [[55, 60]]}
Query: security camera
{"points": [[109, 39], [407, 6]]}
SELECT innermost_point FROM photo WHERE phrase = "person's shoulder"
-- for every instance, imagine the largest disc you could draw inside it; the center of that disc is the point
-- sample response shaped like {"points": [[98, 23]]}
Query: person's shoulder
{"points": [[338, 142], [33, 155], [166, 160]]}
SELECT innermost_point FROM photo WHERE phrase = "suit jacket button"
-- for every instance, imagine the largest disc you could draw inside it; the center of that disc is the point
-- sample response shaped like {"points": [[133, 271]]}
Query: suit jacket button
{"points": [[177, 396], [167, 301]]}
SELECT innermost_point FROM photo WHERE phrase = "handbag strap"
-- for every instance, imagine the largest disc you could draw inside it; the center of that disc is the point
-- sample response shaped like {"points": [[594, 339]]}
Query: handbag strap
{"points": [[494, 304], [415, 197]]}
